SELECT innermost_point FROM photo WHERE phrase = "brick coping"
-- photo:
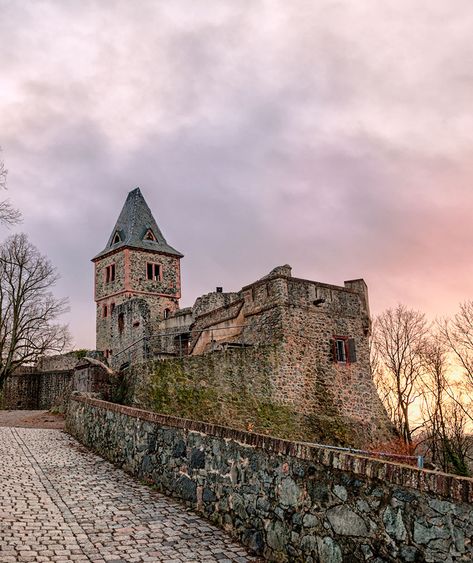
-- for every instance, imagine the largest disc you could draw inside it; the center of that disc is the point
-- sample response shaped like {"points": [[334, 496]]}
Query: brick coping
{"points": [[449, 486]]}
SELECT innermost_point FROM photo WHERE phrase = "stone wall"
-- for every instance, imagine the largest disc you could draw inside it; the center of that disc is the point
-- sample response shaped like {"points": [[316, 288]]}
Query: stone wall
{"points": [[311, 379], [103, 288], [287, 501], [37, 391], [240, 384], [211, 301], [89, 378], [130, 331], [302, 319], [212, 387], [58, 362]]}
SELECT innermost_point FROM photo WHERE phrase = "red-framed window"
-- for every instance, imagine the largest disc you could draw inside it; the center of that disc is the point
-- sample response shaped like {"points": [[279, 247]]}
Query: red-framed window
{"points": [[343, 350]]}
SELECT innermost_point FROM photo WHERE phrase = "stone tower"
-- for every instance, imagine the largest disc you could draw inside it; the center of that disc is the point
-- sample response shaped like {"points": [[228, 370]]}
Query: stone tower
{"points": [[137, 263]]}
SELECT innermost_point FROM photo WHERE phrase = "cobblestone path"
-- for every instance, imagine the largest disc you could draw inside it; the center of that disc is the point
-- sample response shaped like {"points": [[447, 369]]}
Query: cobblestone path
{"points": [[59, 502]]}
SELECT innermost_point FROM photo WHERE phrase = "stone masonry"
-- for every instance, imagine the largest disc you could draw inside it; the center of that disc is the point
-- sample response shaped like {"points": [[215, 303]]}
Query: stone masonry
{"points": [[37, 390], [287, 501], [298, 322]]}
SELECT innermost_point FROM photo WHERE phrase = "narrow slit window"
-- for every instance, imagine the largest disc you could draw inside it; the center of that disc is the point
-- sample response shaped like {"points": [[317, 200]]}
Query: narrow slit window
{"points": [[110, 273], [105, 311], [341, 350]]}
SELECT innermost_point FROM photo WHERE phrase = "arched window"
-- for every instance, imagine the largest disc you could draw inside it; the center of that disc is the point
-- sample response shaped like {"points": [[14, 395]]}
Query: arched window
{"points": [[116, 238]]}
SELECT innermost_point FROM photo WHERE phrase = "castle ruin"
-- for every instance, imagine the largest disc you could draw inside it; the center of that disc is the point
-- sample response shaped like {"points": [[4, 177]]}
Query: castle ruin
{"points": [[318, 333]]}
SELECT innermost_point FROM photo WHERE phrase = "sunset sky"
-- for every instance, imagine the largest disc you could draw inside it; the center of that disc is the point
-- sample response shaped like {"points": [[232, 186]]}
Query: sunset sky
{"points": [[336, 136]]}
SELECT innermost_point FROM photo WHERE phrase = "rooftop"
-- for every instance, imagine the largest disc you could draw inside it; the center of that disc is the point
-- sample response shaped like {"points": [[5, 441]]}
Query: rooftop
{"points": [[137, 228]]}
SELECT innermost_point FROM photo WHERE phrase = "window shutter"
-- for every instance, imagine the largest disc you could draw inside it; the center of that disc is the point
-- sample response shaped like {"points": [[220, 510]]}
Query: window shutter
{"points": [[351, 350]]}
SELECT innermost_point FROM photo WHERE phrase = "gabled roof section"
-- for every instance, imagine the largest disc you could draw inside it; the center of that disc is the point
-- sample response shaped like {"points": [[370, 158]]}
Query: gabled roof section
{"points": [[134, 223]]}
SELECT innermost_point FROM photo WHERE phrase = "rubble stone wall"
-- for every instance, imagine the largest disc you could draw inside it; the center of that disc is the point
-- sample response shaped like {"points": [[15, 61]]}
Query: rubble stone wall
{"points": [[37, 391], [287, 501], [238, 372], [58, 362]]}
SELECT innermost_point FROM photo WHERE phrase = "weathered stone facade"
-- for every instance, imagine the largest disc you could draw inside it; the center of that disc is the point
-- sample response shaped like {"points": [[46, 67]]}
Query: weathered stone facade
{"points": [[50, 382], [287, 501], [129, 283], [37, 390], [300, 321], [58, 362], [319, 332]]}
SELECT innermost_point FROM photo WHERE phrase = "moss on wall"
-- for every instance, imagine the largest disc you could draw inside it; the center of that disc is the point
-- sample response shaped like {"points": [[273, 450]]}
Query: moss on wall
{"points": [[173, 391], [230, 388]]}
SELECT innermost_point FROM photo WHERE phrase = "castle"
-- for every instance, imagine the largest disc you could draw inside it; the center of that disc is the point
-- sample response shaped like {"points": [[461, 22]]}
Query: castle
{"points": [[318, 333]]}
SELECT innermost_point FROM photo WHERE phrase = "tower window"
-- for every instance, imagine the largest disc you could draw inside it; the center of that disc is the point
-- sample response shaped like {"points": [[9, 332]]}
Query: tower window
{"points": [[112, 308], [153, 271], [167, 312], [149, 235], [117, 238], [110, 273], [105, 311], [344, 350]]}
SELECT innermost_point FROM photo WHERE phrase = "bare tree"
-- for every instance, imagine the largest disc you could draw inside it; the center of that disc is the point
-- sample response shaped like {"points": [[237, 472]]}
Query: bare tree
{"points": [[458, 444], [28, 309], [398, 337], [435, 405], [8, 214], [458, 335]]}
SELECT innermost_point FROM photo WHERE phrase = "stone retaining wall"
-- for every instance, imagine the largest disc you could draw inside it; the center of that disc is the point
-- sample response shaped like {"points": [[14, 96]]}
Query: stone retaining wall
{"points": [[285, 500], [38, 390]]}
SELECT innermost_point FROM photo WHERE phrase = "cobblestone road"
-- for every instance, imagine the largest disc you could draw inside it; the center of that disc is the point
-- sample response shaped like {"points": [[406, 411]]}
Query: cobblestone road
{"points": [[59, 502]]}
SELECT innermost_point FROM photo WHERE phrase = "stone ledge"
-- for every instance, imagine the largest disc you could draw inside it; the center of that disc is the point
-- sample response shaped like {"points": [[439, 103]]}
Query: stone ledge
{"points": [[442, 484]]}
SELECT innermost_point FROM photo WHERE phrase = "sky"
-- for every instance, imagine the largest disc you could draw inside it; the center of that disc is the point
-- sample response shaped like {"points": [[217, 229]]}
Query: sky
{"points": [[335, 136]]}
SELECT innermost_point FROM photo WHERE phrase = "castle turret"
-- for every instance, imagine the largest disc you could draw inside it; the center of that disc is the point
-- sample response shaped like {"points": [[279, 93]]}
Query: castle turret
{"points": [[136, 263]]}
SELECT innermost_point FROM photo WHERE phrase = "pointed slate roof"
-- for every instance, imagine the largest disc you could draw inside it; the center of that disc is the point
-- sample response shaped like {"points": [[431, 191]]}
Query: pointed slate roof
{"points": [[133, 224]]}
